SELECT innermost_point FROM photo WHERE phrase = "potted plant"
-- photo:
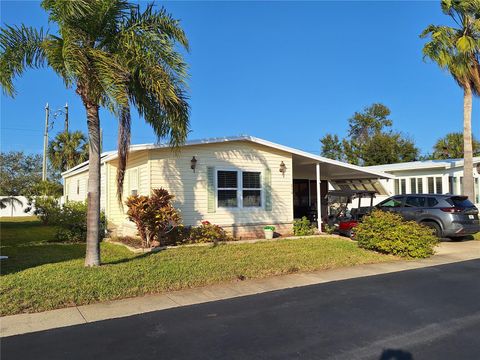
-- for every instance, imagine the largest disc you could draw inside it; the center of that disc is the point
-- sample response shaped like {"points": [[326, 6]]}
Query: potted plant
{"points": [[269, 231]]}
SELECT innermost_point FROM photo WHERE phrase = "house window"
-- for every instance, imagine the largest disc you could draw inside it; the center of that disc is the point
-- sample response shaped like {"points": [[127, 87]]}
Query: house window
{"points": [[439, 185], [413, 186], [78, 186], [227, 188], [403, 186], [451, 185], [133, 181], [420, 185], [397, 187], [239, 189], [431, 185], [251, 193]]}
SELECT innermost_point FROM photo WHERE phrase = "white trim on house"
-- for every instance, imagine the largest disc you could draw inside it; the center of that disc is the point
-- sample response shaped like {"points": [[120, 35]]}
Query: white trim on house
{"points": [[110, 155], [427, 164]]}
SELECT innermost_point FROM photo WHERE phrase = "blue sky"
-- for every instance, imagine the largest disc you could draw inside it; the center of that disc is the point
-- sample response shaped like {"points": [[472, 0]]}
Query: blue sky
{"points": [[287, 72]]}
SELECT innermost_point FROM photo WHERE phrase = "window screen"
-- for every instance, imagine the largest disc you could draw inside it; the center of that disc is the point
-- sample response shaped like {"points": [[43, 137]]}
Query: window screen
{"points": [[252, 195], [420, 185], [227, 184], [439, 185], [413, 186], [403, 186], [431, 185], [227, 179], [133, 181]]}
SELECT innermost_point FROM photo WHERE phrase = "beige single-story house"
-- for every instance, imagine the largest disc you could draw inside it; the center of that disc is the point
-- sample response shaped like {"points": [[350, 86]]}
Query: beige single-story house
{"points": [[240, 183]]}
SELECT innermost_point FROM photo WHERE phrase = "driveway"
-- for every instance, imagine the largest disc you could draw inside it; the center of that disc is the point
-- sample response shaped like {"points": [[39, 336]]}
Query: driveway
{"points": [[428, 313]]}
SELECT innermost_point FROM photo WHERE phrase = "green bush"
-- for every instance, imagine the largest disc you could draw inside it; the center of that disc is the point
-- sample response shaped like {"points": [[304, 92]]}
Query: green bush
{"points": [[389, 233], [303, 227], [205, 233], [72, 223], [47, 208]]}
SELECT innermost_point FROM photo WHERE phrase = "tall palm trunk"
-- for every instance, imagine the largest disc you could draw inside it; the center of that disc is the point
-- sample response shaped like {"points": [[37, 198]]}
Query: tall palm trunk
{"points": [[92, 257], [467, 144]]}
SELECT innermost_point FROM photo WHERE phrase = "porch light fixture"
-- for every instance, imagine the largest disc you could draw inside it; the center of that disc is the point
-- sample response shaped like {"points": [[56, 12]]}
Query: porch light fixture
{"points": [[193, 163], [283, 168]]}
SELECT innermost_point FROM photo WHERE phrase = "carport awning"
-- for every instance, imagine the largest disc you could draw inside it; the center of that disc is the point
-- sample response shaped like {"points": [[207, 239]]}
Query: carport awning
{"points": [[359, 184]]}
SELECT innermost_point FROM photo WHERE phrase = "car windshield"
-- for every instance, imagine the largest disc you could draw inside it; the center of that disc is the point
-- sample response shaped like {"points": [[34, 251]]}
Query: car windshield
{"points": [[460, 201]]}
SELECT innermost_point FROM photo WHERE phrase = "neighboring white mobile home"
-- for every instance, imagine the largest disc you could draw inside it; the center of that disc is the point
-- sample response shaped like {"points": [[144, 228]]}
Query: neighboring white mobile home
{"points": [[240, 183], [428, 177]]}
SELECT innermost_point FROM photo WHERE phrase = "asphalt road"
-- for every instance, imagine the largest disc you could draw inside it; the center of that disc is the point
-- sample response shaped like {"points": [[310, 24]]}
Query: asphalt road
{"points": [[430, 313]]}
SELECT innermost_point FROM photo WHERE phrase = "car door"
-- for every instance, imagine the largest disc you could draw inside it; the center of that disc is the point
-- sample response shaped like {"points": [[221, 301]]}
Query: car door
{"points": [[413, 207]]}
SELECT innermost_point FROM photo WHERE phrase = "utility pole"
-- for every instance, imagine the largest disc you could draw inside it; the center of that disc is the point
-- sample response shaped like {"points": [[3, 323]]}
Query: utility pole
{"points": [[45, 144], [66, 117]]}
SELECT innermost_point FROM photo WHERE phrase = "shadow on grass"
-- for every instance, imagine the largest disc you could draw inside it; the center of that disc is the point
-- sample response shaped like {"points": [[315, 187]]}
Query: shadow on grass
{"points": [[128, 259], [24, 257]]}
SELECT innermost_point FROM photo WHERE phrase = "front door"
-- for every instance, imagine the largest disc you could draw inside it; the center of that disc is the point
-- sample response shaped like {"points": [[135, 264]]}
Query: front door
{"points": [[305, 198]]}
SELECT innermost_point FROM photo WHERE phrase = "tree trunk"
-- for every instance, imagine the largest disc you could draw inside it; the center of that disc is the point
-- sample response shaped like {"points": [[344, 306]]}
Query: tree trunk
{"points": [[92, 257], [467, 144]]}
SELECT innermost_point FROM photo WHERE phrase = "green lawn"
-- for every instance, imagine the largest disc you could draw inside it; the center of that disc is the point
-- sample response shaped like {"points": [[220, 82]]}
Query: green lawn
{"points": [[40, 275]]}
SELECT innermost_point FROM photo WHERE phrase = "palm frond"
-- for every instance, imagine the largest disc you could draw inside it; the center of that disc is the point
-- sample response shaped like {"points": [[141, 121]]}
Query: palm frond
{"points": [[20, 47]]}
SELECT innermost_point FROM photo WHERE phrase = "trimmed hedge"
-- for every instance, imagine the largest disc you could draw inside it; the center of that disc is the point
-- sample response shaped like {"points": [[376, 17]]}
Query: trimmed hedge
{"points": [[389, 233]]}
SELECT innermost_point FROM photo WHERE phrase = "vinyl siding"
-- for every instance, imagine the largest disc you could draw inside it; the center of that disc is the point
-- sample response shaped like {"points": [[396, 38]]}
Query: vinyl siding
{"points": [[136, 161], [190, 188], [70, 188]]}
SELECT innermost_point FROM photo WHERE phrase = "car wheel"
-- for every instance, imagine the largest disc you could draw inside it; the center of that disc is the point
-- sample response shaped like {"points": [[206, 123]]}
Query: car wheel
{"points": [[457, 238], [437, 231]]}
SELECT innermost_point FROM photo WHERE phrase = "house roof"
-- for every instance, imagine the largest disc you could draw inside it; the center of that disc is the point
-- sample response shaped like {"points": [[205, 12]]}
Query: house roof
{"points": [[426, 164], [110, 155]]}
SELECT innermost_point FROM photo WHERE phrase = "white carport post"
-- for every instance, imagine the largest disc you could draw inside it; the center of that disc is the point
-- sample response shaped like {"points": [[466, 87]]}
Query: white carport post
{"points": [[319, 200]]}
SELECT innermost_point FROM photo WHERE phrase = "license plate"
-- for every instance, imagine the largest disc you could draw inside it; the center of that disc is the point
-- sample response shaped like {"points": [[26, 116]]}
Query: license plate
{"points": [[471, 216]]}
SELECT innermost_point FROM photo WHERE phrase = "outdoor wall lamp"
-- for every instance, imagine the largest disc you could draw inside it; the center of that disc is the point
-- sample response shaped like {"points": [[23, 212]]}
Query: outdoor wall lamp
{"points": [[283, 168], [193, 163]]}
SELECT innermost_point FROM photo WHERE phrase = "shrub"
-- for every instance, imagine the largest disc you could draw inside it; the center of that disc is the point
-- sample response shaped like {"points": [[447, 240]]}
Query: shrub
{"points": [[388, 233], [303, 227], [204, 233], [207, 232], [269, 227], [72, 223], [329, 229], [47, 208], [153, 215]]}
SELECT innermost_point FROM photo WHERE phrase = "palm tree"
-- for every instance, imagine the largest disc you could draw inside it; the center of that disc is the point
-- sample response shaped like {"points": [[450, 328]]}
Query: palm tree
{"points": [[451, 146], [117, 56], [457, 49], [67, 150], [12, 201]]}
